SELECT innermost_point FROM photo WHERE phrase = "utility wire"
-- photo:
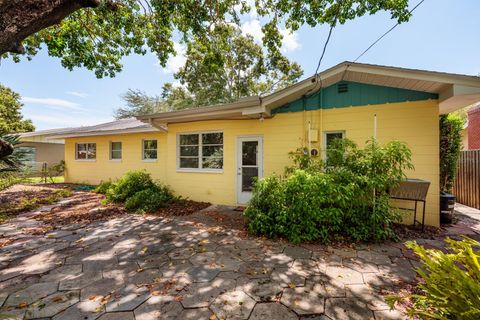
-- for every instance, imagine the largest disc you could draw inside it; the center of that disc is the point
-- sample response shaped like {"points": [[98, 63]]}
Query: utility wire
{"points": [[325, 49], [378, 40], [388, 31]]}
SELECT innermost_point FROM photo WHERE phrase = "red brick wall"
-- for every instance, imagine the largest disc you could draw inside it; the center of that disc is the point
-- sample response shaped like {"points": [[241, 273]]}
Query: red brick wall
{"points": [[474, 128]]}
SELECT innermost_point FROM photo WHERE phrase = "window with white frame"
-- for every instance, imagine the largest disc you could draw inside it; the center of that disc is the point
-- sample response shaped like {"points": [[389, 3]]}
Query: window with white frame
{"points": [[201, 151], [86, 151], [115, 150], [149, 149]]}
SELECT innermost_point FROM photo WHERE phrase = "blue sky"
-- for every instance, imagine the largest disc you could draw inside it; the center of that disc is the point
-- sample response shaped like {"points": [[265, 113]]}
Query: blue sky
{"points": [[443, 35]]}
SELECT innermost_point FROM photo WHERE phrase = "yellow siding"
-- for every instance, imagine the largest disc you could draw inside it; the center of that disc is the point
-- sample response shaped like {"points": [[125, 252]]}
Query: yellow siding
{"points": [[415, 123]]}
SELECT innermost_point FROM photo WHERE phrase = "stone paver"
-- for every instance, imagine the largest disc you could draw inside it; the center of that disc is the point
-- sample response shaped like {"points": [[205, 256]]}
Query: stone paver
{"points": [[305, 300], [272, 310], [195, 314], [158, 307], [202, 274], [233, 305], [52, 305], [85, 310], [262, 290], [344, 275], [31, 293], [199, 295], [347, 308], [144, 268]]}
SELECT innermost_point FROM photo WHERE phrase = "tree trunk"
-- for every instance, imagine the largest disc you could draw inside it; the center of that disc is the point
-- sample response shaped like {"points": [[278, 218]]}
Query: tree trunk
{"points": [[6, 148], [22, 18]]}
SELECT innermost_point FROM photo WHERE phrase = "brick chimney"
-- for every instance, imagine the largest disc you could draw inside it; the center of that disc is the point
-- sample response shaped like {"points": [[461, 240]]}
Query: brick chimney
{"points": [[474, 128]]}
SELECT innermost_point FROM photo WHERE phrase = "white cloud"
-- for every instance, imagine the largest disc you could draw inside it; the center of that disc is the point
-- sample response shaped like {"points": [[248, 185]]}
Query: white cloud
{"points": [[77, 94], [53, 103], [290, 40], [253, 28], [176, 62]]}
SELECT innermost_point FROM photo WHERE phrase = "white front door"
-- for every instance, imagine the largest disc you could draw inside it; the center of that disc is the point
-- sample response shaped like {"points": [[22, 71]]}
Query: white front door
{"points": [[249, 166]]}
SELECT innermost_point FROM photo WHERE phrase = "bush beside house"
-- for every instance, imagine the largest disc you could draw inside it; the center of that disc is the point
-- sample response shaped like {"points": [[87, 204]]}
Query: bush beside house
{"points": [[138, 191], [347, 196], [451, 127]]}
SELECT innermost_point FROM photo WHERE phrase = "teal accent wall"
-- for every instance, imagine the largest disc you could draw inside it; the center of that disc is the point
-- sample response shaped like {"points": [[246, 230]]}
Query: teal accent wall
{"points": [[359, 94]]}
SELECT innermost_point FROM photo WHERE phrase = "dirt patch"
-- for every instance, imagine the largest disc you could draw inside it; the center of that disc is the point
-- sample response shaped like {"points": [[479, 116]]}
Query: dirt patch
{"points": [[22, 198], [81, 208], [409, 232], [182, 208]]}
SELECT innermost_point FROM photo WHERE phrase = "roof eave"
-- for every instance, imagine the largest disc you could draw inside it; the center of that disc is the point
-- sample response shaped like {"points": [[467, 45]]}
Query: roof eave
{"points": [[102, 133]]}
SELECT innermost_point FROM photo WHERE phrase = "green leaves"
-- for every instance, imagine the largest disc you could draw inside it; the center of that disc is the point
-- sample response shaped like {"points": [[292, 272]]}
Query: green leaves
{"points": [[451, 282], [347, 196], [451, 127], [98, 38], [11, 119]]}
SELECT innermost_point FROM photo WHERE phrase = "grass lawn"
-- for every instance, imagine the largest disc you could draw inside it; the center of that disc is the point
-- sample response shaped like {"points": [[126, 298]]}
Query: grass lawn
{"points": [[58, 179]]}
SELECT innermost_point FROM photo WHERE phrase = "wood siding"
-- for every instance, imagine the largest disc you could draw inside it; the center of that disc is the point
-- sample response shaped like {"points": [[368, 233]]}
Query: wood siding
{"points": [[467, 183]]}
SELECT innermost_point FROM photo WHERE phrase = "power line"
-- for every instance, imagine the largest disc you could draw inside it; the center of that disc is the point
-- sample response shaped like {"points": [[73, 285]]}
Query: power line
{"points": [[378, 40], [388, 31], [324, 49], [328, 38]]}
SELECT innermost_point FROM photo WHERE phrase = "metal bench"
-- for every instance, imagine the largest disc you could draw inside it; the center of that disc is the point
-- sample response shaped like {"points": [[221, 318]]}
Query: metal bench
{"points": [[412, 190]]}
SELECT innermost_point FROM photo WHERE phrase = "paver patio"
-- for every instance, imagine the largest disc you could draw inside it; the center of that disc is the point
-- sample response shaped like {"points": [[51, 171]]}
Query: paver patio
{"points": [[141, 268]]}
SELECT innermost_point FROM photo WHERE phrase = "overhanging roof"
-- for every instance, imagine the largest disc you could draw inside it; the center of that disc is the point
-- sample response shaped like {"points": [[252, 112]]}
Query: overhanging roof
{"points": [[455, 91], [130, 125]]}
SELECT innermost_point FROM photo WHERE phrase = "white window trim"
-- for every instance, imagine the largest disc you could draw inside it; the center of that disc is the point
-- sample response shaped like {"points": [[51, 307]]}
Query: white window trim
{"points": [[121, 152], [143, 151], [324, 142], [85, 160], [200, 155]]}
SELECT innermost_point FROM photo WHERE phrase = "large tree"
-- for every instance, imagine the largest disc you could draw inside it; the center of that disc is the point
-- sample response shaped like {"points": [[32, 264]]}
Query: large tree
{"points": [[11, 119], [96, 34], [221, 67]]}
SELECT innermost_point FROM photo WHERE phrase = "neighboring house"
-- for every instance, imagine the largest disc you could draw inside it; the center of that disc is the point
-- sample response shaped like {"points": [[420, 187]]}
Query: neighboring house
{"points": [[473, 129], [464, 134], [214, 153], [42, 149]]}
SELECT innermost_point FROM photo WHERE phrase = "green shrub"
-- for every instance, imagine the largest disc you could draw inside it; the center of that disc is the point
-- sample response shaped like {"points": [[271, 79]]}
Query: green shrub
{"points": [[451, 127], [149, 200], [64, 193], [29, 204], [131, 183], [345, 197], [103, 187], [451, 282]]}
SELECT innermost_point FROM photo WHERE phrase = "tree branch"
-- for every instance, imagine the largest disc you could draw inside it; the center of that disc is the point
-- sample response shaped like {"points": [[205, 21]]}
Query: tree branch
{"points": [[22, 18]]}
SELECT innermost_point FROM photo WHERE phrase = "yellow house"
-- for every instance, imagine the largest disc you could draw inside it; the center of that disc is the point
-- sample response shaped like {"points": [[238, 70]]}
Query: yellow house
{"points": [[212, 153]]}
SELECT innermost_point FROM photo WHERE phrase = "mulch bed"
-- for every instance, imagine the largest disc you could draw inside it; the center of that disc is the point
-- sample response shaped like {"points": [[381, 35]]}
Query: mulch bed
{"points": [[182, 208], [409, 232], [11, 199], [83, 208]]}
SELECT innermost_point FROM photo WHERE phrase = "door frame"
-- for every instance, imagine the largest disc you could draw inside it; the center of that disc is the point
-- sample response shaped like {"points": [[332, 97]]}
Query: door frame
{"points": [[238, 179]]}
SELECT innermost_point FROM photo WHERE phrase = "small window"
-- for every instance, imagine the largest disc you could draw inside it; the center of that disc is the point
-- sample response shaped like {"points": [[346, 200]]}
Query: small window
{"points": [[329, 138], [115, 150], [86, 151], [332, 136], [149, 149], [203, 151]]}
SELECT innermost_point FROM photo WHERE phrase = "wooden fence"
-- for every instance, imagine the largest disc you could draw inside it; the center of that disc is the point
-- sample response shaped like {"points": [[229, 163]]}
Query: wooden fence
{"points": [[467, 183]]}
